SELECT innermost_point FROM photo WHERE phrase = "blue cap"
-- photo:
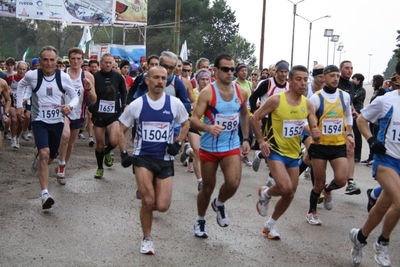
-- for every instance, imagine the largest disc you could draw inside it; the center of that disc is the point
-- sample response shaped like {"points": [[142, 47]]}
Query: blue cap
{"points": [[35, 61]]}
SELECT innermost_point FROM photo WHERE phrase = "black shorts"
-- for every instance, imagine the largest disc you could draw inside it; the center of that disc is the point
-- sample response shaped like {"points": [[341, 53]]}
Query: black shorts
{"points": [[160, 168], [103, 122], [327, 152], [191, 130], [76, 124]]}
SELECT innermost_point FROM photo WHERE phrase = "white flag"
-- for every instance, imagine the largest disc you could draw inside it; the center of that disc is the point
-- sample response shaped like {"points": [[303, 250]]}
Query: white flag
{"points": [[184, 51], [86, 37]]}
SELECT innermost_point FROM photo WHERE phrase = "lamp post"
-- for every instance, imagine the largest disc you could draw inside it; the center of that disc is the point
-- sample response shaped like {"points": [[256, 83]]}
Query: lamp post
{"points": [[294, 23], [369, 66], [340, 48], [340, 56], [335, 39], [328, 33], [309, 35]]}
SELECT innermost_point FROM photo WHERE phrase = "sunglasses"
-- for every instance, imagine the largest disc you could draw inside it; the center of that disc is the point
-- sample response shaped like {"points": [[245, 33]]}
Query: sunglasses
{"points": [[254, 74], [185, 70], [168, 67], [227, 69]]}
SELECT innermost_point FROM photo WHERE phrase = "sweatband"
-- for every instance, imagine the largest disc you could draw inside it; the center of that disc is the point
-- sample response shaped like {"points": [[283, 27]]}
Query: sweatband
{"points": [[282, 65], [317, 72], [240, 67], [202, 74]]}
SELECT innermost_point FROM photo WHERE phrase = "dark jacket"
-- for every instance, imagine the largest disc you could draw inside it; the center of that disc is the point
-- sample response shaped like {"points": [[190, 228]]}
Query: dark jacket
{"points": [[347, 86], [359, 97]]}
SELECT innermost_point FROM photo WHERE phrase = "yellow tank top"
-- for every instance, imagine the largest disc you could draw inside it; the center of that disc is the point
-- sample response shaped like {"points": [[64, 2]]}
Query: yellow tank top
{"points": [[285, 127], [330, 120], [247, 85]]}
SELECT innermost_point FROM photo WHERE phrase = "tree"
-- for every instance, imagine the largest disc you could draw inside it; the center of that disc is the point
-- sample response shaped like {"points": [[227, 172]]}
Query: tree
{"points": [[242, 51], [397, 50], [391, 67]]}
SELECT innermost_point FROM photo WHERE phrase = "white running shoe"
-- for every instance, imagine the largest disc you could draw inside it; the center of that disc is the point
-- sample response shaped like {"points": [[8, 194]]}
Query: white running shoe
{"points": [[246, 160], [91, 141], [270, 231], [29, 135], [81, 136], [25, 136], [200, 229], [256, 161], [147, 246], [312, 218], [222, 216], [328, 203], [307, 174], [382, 253], [14, 143], [47, 202], [270, 181], [17, 143], [356, 250], [263, 201]]}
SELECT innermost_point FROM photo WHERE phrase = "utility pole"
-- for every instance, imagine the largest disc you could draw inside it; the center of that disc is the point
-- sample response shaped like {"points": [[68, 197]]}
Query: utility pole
{"points": [[260, 65], [177, 31]]}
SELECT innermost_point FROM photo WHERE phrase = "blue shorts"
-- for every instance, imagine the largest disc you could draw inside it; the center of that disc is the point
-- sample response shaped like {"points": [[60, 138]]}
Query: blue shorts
{"points": [[177, 129], [48, 136], [386, 161], [288, 162]]}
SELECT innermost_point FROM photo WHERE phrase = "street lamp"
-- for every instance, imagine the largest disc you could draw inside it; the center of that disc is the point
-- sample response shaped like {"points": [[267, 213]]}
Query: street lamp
{"points": [[369, 66], [328, 33], [309, 35], [294, 23], [340, 48], [335, 39], [340, 56]]}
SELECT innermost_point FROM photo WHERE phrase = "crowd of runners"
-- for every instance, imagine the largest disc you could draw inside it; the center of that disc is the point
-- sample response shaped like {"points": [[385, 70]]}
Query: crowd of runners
{"points": [[211, 116]]}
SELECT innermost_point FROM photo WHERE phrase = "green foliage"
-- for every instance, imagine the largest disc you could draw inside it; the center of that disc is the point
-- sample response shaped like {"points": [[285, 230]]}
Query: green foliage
{"points": [[397, 50], [243, 51], [391, 67]]}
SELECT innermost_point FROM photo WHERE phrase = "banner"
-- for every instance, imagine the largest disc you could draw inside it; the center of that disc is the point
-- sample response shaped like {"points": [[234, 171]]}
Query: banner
{"points": [[184, 51], [86, 37], [83, 11]]}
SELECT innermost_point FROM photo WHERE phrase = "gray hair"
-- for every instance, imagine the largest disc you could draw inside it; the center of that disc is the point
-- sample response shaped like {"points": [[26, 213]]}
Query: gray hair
{"points": [[202, 59], [170, 55], [22, 62], [48, 48], [106, 55]]}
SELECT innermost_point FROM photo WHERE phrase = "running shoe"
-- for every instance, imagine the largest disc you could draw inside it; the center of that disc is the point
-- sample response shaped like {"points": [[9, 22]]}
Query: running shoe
{"points": [[312, 218], [35, 162], [81, 136], [328, 203], [14, 143], [29, 135], [307, 174], [7, 136], [200, 229], [263, 201], [60, 173], [256, 161], [25, 136], [137, 194], [382, 253], [47, 202], [352, 189], [356, 250], [190, 167], [184, 156], [108, 159], [366, 161], [246, 160], [99, 174], [270, 231], [222, 216], [185, 163], [199, 186], [371, 201], [17, 143], [270, 181], [91, 141], [147, 246]]}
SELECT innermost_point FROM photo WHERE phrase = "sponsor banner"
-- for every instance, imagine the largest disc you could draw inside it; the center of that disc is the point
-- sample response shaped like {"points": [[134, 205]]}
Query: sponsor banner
{"points": [[130, 12], [84, 11]]}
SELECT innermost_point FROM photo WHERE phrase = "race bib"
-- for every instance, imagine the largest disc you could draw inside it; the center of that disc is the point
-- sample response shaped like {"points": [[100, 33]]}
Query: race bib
{"points": [[332, 126], [154, 131], [395, 131], [229, 122], [50, 112], [106, 106], [292, 128]]}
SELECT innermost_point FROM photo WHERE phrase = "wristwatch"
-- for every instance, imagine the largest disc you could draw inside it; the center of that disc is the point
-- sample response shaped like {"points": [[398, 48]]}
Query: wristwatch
{"points": [[246, 139], [7, 114]]}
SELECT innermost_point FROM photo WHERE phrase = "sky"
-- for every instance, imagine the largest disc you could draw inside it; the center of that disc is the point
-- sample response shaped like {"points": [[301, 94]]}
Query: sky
{"points": [[367, 29]]}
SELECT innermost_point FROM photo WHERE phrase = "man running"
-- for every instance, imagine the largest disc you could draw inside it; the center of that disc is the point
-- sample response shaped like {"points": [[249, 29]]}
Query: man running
{"points": [[153, 158], [223, 105], [288, 112], [48, 87]]}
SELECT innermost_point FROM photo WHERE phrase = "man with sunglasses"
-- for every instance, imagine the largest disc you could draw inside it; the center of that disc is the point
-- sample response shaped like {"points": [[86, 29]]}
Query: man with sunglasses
{"points": [[223, 105]]}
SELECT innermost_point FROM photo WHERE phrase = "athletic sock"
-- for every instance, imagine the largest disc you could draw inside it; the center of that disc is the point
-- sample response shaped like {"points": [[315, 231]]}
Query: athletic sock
{"points": [[376, 192], [271, 221], [99, 158], [44, 191], [200, 218], [312, 175], [313, 201], [350, 181], [381, 239], [218, 203], [108, 148], [361, 237], [61, 162]]}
